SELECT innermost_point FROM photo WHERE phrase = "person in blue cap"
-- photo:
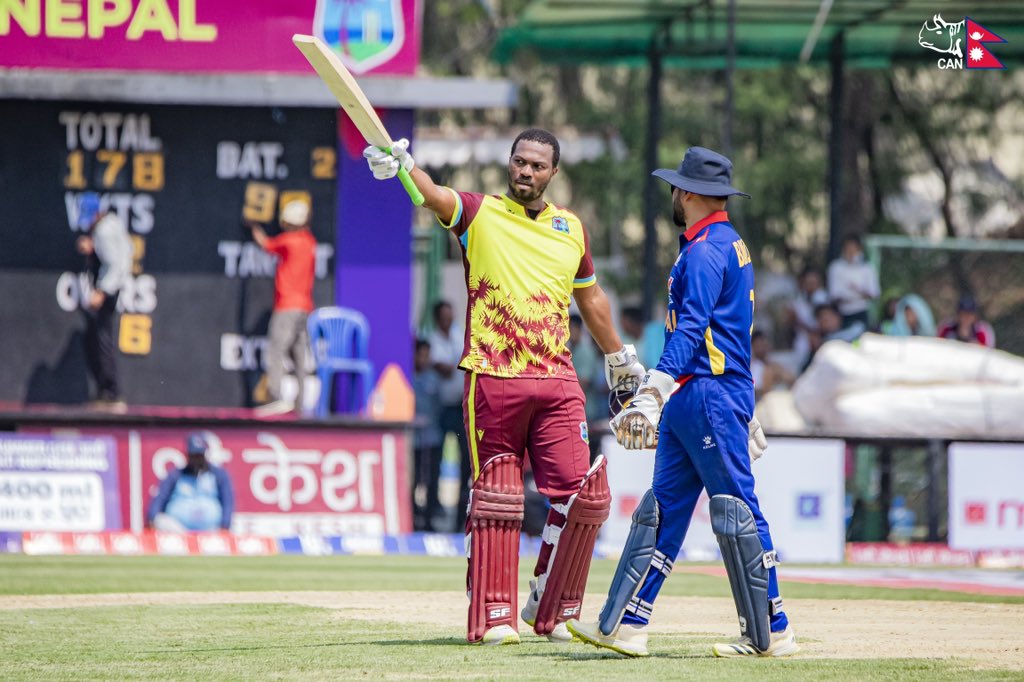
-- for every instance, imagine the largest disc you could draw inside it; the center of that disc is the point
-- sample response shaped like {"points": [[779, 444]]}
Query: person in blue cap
{"points": [[696, 408], [196, 497], [107, 247]]}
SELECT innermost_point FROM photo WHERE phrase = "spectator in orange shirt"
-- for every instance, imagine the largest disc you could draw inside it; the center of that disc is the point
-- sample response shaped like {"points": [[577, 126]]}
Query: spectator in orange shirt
{"points": [[295, 249]]}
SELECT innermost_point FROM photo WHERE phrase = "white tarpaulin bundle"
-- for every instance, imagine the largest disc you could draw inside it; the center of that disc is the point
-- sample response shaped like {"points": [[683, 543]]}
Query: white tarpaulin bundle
{"points": [[913, 386]]}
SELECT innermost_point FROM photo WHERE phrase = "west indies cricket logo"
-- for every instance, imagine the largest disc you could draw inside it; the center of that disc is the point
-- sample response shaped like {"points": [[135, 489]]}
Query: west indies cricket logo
{"points": [[364, 33], [947, 38]]}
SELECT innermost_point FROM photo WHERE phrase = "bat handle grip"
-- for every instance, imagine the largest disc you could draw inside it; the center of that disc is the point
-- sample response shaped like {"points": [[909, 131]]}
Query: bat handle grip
{"points": [[410, 187]]}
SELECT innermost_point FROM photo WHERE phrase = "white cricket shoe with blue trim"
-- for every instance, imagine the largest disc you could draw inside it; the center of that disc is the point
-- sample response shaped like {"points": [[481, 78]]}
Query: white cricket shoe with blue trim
{"points": [[628, 640], [782, 644]]}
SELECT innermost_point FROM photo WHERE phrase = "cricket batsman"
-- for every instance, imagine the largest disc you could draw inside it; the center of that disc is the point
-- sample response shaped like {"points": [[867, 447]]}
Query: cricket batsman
{"points": [[525, 260], [696, 407]]}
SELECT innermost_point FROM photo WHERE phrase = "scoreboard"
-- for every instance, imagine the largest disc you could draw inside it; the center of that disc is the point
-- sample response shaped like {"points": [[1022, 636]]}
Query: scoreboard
{"points": [[183, 179]]}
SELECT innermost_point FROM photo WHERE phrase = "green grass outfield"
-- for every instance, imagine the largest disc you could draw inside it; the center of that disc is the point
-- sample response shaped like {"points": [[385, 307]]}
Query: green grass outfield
{"points": [[288, 641]]}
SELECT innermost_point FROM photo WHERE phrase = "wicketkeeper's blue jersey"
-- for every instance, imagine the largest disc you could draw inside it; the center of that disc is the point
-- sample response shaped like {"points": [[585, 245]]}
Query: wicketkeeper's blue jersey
{"points": [[710, 303]]}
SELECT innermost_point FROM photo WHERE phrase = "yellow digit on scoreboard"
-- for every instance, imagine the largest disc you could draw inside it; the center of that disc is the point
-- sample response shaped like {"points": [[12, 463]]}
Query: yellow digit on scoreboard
{"points": [[260, 202], [115, 162], [323, 163], [75, 179], [148, 171], [136, 334]]}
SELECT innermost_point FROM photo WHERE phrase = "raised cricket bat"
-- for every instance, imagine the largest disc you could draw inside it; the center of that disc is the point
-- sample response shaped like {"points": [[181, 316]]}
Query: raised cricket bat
{"points": [[351, 98]]}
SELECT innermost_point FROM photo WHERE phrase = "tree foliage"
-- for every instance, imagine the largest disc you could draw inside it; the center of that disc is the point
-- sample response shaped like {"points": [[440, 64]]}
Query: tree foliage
{"points": [[896, 124]]}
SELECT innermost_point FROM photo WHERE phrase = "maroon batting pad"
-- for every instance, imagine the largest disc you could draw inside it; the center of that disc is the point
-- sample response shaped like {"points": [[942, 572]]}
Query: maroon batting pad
{"points": [[567, 574], [495, 517]]}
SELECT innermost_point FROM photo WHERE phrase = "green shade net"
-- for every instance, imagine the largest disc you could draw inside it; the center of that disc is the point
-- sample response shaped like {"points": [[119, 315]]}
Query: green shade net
{"points": [[694, 33]]}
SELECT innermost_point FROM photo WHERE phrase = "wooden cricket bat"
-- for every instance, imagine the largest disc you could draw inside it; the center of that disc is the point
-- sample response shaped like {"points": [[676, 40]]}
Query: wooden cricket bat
{"points": [[351, 98]]}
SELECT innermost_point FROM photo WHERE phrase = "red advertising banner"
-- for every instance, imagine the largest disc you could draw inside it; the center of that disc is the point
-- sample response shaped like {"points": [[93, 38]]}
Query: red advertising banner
{"points": [[150, 542], [207, 36], [287, 481]]}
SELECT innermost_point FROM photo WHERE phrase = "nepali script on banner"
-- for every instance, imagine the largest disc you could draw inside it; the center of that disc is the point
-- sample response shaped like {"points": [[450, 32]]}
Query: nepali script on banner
{"points": [[58, 484], [207, 36], [286, 482]]}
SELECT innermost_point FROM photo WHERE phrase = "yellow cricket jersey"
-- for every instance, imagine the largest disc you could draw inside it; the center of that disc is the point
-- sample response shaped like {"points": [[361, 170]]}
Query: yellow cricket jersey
{"points": [[520, 274]]}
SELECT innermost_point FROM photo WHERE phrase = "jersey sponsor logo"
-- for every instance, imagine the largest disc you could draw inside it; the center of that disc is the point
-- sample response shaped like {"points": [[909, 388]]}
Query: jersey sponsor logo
{"points": [[560, 224], [479, 434], [708, 442]]}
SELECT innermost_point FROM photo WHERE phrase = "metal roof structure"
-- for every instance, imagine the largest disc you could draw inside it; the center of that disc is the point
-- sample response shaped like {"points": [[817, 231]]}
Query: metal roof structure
{"points": [[751, 34], [694, 33]]}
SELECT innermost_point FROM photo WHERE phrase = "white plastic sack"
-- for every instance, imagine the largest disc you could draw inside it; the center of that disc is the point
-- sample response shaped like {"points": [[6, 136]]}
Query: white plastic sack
{"points": [[913, 386]]}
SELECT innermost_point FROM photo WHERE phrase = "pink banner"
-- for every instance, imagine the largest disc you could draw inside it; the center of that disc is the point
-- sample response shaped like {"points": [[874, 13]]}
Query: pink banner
{"points": [[207, 36], [150, 542], [286, 481]]}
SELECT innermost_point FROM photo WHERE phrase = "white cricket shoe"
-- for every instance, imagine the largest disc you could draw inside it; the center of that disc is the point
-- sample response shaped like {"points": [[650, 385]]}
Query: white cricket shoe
{"points": [[628, 640], [782, 644], [500, 634], [560, 635]]}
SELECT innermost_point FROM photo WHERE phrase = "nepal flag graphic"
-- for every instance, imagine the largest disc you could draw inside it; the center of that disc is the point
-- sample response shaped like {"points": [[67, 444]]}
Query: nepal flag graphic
{"points": [[978, 56]]}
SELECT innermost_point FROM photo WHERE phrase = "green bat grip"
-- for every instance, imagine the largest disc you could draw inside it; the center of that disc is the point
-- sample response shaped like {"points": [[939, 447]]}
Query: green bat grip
{"points": [[410, 187]]}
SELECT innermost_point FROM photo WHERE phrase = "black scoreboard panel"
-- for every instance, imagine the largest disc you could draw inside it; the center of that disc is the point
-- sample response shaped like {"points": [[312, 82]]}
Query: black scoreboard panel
{"points": [[181, 178]]}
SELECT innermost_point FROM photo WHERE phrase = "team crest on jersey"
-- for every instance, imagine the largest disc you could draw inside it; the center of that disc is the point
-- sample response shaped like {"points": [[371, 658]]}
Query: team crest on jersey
{"points": [[364, 33], [584, 434], [560, 224]]}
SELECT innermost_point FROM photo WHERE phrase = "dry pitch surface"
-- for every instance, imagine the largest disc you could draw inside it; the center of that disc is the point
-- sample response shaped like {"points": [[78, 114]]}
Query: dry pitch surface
{"points": [[986, 634]]}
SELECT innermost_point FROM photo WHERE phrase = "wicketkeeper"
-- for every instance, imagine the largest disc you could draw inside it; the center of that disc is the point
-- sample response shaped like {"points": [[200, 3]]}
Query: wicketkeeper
{"points": [[525, 261], [696, 407]]}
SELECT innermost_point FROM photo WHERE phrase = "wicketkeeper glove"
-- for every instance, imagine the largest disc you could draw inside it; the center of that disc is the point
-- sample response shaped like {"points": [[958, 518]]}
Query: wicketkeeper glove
{"points": [[636, 427], [622, 369], [385, 165], [756, 442]]}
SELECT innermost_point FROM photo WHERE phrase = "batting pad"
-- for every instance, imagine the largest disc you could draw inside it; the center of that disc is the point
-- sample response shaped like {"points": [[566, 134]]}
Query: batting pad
{"points": [[746, 564], [638, 557], [495, 517], [569, 564]]}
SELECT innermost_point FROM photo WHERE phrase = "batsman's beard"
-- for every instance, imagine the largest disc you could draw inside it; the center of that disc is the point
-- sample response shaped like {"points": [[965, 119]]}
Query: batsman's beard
{"points": [[525, 196]]}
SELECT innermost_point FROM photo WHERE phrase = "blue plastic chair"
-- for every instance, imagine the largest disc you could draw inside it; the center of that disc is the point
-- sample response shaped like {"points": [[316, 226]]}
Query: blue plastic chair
{"points": [[340, 338]]}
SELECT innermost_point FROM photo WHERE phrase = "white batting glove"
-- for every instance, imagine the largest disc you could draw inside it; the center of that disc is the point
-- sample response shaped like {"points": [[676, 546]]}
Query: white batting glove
{"points": [[386, 165], [622, 369], [756, 442], [636, 427]]}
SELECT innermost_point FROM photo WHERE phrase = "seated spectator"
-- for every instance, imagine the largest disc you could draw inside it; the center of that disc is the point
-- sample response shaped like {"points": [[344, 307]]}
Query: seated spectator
{"points": [[831, 327], [967, 326], [767, 373], [428, 438], [801, 311], [196, 497], [912, 317], [853, 283], [888, 315]]}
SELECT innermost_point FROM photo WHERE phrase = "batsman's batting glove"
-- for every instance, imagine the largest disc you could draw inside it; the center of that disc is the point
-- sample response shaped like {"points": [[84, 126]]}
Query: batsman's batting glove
{"points": [[385, 165], [756, 442], [622, 370], [636, 427]]}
